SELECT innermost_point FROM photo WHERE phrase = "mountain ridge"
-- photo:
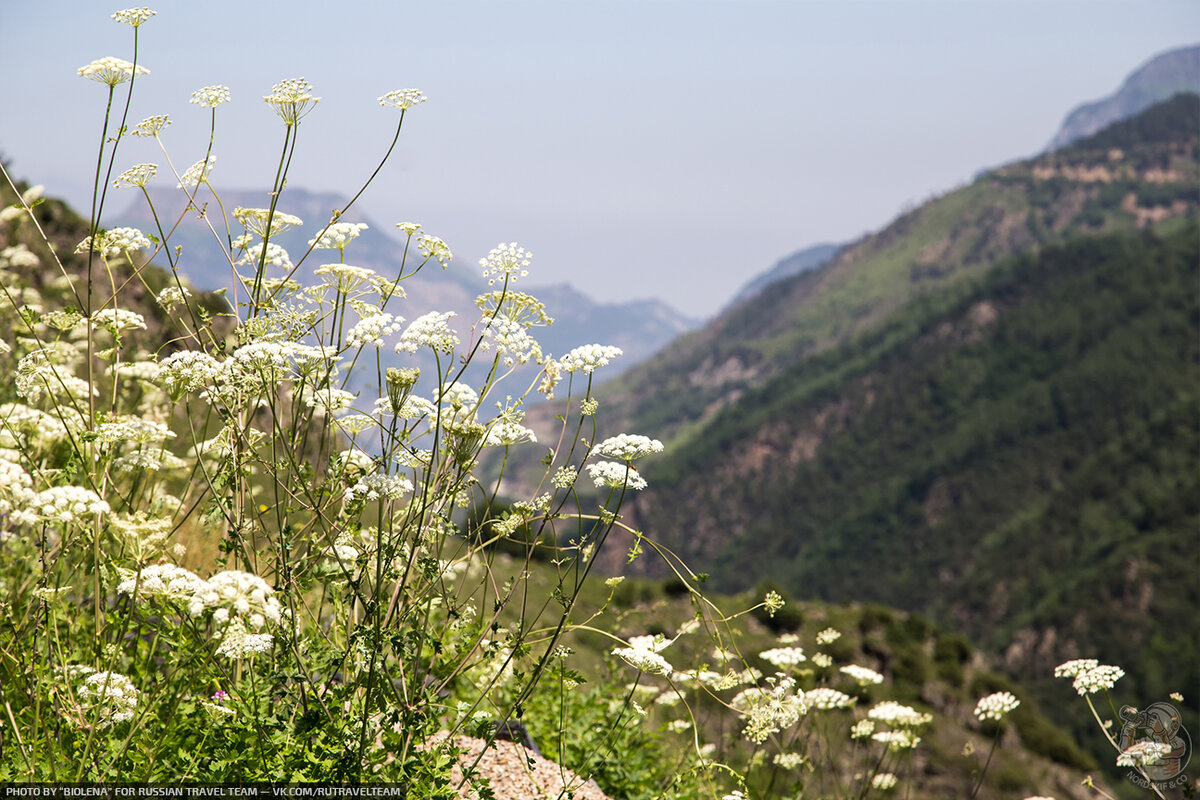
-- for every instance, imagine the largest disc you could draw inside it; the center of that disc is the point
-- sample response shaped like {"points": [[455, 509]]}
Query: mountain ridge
{"points": [[1158, 79], [640, 326]]}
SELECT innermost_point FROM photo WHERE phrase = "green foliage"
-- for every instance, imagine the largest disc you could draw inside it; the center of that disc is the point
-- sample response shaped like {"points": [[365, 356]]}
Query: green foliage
{"points": [[586, 730], [1162, 123], [974, 445]]}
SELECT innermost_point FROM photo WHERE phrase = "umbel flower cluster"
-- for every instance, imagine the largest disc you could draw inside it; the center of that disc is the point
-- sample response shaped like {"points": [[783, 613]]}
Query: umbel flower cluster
{"points": [[268, 533], [273, 509]]}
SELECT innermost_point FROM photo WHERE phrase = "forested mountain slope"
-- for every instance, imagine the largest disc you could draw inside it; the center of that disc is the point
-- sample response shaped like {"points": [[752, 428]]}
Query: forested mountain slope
{"points": [[1015, 457], [1134, 174]]}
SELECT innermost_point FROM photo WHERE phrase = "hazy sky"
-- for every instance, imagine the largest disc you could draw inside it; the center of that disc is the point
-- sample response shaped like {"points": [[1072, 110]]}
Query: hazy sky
{"points": [[638, 149]]}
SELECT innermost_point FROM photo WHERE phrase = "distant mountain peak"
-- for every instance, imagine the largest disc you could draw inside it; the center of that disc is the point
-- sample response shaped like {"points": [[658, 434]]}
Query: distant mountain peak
{"points": [[801, 261], [1158, 79]]}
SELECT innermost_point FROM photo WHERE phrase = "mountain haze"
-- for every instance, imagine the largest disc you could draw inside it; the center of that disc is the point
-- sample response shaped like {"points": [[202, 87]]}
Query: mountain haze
{"points": [[1164, 75], [800, 261], [987, 412], [1087, 189], [638, 327]]}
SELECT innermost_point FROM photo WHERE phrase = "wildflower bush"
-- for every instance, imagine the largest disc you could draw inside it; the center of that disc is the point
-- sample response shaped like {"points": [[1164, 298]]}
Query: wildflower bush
{"points": [[219, 563]]}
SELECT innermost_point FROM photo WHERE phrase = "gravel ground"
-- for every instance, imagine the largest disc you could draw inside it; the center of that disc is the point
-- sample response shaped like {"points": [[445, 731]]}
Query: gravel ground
{"points": [[518, 774]]}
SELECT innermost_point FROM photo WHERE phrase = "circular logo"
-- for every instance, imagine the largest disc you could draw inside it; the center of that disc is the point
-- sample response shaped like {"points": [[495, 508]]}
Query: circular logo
{"points": [[1160, 723]]}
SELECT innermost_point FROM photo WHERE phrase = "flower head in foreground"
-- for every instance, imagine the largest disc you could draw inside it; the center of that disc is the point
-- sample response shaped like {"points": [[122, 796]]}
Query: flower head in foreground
{"points": [[1097, 678], [210, 96], [433, 247], [136, 176], [134, 16], [828, 636], [628, 446], [768, 710], [897, 740], [197, 173], [151, 126], [403, 99], [254, 220], [884, 781], [893, 713], [63, 505], [110, 695], [1143, 754], [338, 235], [643, 654], [995, 706], [111, 71], [861, 675], [588, 358], [292, 99], [826, 699], [429, 330], [614, 475], [1071, 669], [782, 657], [111, 244], [505, 262]]}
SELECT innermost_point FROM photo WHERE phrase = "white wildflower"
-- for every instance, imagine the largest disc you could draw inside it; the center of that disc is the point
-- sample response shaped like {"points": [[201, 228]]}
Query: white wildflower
{"points": [[372, 330], [166, 581], [110, 244], [435, 248], [770, 710], [1072, 669], [827, 699], [1143, 754], [197, 173], [504, 433], [337, 236], [151, 126], [643, 654], [109, 695], [254, 220], [782, 657], [1097, 678], [63, 505], [345, 277], [210, 96], [614, 475], [429, 330], [172, 296], [111, 71], [893, 713], [276, 256], [506, 262], [134, 16], [995, 706], [897, 740], [628, 446], [861, 675], [828, 636], [115, 320], [884, 781], [378, 486], [403, 99], [292, 99], [564, 477], [136, 176], [588, 358]]}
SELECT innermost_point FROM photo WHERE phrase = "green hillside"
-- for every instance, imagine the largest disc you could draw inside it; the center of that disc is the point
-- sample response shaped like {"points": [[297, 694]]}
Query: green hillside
{"points": [[1138, 173], [987, 412], [1016, 457]]}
